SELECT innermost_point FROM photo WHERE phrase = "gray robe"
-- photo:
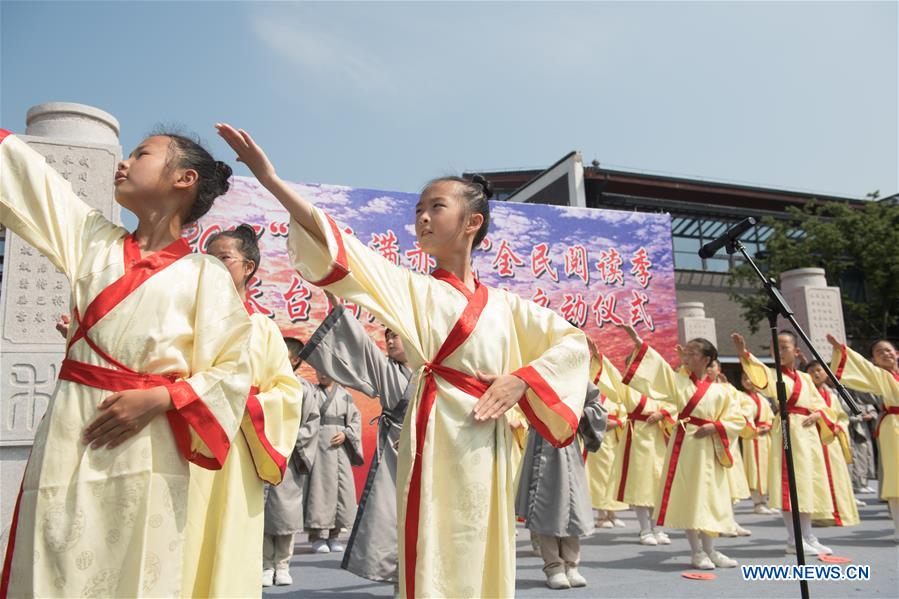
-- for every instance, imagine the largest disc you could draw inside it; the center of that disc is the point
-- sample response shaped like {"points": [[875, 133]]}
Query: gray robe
{"points": [[331, 498], [342, 349], [284, 503], [553, 497]]}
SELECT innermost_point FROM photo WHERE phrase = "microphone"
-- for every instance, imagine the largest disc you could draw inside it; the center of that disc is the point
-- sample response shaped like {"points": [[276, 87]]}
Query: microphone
{"points": [[731, 235]]}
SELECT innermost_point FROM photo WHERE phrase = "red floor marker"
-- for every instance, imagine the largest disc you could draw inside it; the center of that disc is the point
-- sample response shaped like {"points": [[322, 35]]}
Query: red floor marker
{"points": [[699, 575], [833, 559]]}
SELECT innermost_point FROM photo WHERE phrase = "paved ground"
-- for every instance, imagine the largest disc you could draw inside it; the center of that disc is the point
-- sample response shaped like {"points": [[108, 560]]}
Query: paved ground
{"points": [[615, 565]]}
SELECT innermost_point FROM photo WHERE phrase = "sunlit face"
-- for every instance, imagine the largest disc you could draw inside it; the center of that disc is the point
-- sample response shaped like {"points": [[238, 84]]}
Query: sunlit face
{"points": [[395, 349], [323, 379], [713, 370], [818, 374], [145, 175], [884, 355], [440, 220], [695, 360], [788, 350], [227, 250]]}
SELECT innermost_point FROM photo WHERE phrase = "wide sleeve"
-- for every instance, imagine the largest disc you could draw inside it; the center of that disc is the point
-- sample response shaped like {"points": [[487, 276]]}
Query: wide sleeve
{"points": [[272, 417], [860, 374], [649, 372], [40, 206], [519, 425], [210, 402], [306, 446], [747, 409], [762, 378], [342, 349], [592, 425], [351, 270], [353, 432], [728, 426], [555, 365]]}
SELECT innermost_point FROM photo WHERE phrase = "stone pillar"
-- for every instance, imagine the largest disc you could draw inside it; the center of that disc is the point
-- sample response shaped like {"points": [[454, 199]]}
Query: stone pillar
{"points": [[692, 322], [81, 142], [818, 308]]}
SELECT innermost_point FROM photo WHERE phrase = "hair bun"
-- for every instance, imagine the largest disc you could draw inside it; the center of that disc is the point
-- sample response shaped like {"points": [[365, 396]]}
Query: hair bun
{"points": [[222, 175], [247, 230], [485, 184]]}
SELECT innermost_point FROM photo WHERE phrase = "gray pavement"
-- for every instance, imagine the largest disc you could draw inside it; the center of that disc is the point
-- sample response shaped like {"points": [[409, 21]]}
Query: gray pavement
{"points": [[616, 565]]}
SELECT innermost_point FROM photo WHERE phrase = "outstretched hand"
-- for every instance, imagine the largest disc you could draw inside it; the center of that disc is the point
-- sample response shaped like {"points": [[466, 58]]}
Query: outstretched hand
{"points": [[247, 151], [833, 341], [62, 325], [504, 392], [631, 333], [594, 351], [739, 343]]}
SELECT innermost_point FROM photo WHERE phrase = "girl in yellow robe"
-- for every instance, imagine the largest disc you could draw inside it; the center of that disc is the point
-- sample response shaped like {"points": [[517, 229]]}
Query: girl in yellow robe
{"points": [[637, 470], [475, 352], [806, 409], [756, 443], [881, 378], [154, 374], [837, 455], [225, 510], [695, 493]]}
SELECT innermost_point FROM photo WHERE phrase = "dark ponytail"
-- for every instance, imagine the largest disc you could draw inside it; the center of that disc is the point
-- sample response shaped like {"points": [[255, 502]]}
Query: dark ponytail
{"points": [[248, 246], [213, 175], [476, 192]]}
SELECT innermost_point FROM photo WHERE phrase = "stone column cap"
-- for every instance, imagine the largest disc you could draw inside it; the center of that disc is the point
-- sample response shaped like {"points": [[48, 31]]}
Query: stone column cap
{"points": [[69, 120]]}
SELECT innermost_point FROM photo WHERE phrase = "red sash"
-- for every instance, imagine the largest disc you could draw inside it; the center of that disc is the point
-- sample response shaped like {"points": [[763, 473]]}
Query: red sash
{"points": [[891, 411], [465, 382], [702, 386], [636, 414], [791, 409], [755, 440]]}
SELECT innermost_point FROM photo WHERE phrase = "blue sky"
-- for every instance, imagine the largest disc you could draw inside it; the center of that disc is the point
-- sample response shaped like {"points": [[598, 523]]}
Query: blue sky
{"points": [[388, 95]]}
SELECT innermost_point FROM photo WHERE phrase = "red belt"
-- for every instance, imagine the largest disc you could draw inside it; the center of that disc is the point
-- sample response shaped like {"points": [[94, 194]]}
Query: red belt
{"points": [[893, 410], [800, 411], [636, 414], [110, 379]]}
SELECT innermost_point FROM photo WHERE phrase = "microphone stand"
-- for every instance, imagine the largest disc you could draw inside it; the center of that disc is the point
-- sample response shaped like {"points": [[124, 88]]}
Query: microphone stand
{"points": [[777, 306]]}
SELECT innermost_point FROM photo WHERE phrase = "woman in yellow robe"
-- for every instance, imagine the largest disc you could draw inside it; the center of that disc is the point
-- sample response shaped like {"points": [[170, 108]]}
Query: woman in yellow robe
{"points": [[637, 469], [475, 352], [806, 409], [154, 374], [756, 442], [225, 510], [695, 493], [881, 378]]}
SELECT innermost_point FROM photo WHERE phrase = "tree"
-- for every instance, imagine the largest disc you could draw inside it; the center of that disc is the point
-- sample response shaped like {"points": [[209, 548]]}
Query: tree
{"points": [[858, 248]]}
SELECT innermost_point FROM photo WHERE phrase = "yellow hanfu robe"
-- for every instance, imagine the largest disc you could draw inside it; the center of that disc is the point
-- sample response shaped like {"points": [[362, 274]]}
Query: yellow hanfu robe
{"points": [[226, 508], [694, 493], [756, 447], [454, 480], [857, 373], [110, 522], [736, 476], [599, 463], [812, 490], [837, 454], [637, 470]]}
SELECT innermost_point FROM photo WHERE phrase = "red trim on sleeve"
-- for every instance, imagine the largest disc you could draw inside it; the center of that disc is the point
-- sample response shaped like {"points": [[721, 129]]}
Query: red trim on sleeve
{"points": [[340, 268], [190, 410], [842, 365], [722, 433], [257, 418], [667, 415], [3, 134], [632, 369], [550, 399]]}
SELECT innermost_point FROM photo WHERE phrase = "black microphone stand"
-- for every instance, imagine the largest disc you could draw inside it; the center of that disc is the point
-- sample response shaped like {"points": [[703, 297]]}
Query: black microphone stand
{"points": [[777, 306]]}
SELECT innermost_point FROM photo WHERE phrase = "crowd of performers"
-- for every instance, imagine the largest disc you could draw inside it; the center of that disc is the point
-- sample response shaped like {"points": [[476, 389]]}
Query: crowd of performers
{"points": [[181, 453]]}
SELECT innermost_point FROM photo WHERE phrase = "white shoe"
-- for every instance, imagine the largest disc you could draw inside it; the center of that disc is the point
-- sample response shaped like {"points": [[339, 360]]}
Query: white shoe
{"points": [[618, 523], [866, 490], [859, 502], [558, 581], [603, 523], [701, 561], [647, 538], [722, 561], [806, 549], [268, 577], [574, 578], [283, 578], [662, 538], [335, 546], [762, 509], [320, 546], [742, 532], [819, 548]]}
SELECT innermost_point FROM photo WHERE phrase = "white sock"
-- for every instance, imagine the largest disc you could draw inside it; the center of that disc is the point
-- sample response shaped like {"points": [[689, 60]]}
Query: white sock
{"points": [[708, 542], [757, 498], [788, 524], [693, 538], [805, 525], [894, 510], [643, 517]]}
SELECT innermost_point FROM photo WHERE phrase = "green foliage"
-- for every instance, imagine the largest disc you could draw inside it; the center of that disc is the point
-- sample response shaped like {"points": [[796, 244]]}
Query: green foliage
{"points": [[857, 248]]}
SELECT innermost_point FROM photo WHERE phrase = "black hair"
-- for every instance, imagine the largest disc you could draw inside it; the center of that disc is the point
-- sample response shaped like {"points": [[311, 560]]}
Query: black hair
{"points": [[811, 364], [294, 347], [789, 334], [475, 191], [249, 245], [186, 151], [878, 342], [707, 348]]}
